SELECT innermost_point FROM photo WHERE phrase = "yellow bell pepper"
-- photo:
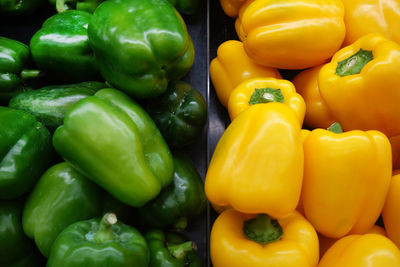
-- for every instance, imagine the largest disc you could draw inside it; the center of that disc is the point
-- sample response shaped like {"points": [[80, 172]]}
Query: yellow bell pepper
{"points": [[317, 114], [257, 166], [231, 7], [361, 85], [372, 16], [265, 90], [395, 142], [240, 240], [370, 250], [291, 34], [390, 213], [346, 179], [232, 66]]}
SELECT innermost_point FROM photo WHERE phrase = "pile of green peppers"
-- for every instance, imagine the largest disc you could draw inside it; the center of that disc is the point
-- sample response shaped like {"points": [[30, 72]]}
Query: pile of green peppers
{"points": [[94, 123]]}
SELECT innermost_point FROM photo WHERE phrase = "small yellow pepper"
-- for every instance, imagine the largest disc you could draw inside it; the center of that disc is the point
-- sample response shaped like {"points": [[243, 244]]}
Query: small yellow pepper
{"points": [[241, 240], [265, 90], [291, 34], [231, 7], [390, 213], [257, 166], [346, 179], [232, 66], [370, 250]]}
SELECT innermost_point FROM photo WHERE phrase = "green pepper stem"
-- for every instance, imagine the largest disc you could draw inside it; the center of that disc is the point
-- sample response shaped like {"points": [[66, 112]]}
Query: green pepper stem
{"points": [[262, 229], [180, 251], [30, 74], [354, 64], [335, 128], [105, 228], [61, 5], [266, 95], [181, 223]]}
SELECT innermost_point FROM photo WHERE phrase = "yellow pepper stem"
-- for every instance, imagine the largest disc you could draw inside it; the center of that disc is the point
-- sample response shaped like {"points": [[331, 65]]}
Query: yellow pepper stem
{"points": [[266, 95], [335, 128], [354, 64], [262, 229]]}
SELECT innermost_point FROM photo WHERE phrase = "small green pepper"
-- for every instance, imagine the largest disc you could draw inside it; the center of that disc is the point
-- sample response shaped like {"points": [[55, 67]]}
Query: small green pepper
{"points": [[83, 5], [96, 242]]}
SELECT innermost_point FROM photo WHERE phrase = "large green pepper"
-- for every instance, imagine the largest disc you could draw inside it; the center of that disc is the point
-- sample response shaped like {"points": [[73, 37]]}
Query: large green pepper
{"points": [[49, 104], [25, 152], [61, 47], [14, 59], [61, 197], [171, 250], [181, 201], [140, 45], [20, 7], [96, 242], [180, 113], [114, 142]]}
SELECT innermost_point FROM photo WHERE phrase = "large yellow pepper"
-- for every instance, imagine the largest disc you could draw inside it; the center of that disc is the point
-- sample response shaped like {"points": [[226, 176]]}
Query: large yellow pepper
{"points": [[231, 7], [395, 142], [361, 85], [291, 34], [265, 90], [240, 240], [257, 166], [390, 214], [232, 66], [346, 179], [371, 16], [370, 250]]}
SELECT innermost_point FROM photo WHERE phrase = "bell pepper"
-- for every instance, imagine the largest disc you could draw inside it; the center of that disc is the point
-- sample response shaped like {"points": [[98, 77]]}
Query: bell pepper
{"points": [[179, 202], [244, 240], [287, 34], [348, 85], [49, 104], [395, 142], [25, 152], [19, 8], [257, 166], [125, 154], [98, 242], [390, 213], [140, 45], [232, 66], [180, 113], [370, 250], [14, 60], [340, 195], [61, 197], [373, 16], [61, 47], [265, 90], [317, 113], [171, 250], [83, 5], [231, 7]]}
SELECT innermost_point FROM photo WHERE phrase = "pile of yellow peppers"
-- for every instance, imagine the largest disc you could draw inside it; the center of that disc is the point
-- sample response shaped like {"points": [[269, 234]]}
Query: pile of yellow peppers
{"points": [[306, 167]]}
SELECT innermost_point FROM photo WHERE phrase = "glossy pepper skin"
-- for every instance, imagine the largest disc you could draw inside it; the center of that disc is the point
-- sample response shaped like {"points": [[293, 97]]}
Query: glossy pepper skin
{"points": [[371, 16], [242, 97], [140, 45], [287, 34], [25, 152], [61, 197], [180, 113], [98, 242], [390, 213], [229, 246], [126, 154], [231, 7], [171, 250], [182, 200], [61, 47], [349, 98], [20, 8], [340, 196], [257, 166], [232, 66], [49, 104], [370, 250]]}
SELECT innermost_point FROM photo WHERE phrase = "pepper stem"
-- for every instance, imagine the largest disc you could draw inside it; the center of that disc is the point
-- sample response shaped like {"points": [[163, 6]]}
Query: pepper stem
{"points": [[266, 95], [181, 223], [335, 128], [30, 74], [180, 251], [262, 229], [61, 5], [105, 229], [354, 64]]}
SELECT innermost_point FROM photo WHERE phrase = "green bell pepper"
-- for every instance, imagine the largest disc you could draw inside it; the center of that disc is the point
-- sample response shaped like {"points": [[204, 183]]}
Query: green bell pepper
{"points": [[181, 201], [96, 242], [14, 59], [61, 197], [114, 142], [83, 5], [20, 7], [140, 45], [171, 250], [186, 6], [49, 104], [180, 113], [25, 152], [61, 47]]}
